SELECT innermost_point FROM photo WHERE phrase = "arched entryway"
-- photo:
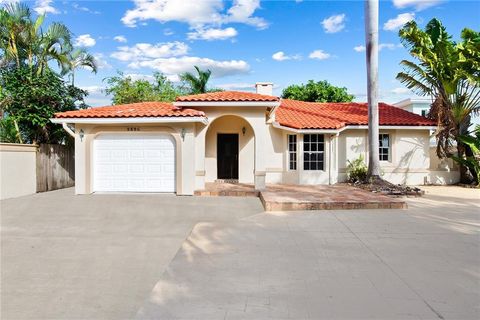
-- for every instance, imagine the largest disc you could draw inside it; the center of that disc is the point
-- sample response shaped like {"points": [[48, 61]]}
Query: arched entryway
{"points": [[230, 150]]}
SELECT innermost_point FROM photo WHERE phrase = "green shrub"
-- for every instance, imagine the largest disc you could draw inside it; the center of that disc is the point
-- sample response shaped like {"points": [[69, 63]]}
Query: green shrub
{"points": [[357, 170]]}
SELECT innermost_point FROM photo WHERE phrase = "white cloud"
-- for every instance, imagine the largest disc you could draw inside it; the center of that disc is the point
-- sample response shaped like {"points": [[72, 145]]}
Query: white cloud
{"points": [[120, 39], [334, 23], [319, 55], [242, 12], [417, 4], [212, 34], [147, 51], [381, 46], [236, 86], [76, 6], [168, 32], [92, 89], [398, 22], [401, 90], [389, 46], [281, 56], [44, 6], [85, 40], [177, 65], [6, 2], [359, 48], [101, 61], [194, 12]]}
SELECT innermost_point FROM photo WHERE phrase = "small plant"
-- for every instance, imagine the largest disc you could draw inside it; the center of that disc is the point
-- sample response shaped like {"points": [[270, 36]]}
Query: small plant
{"points": [[357, 170]]}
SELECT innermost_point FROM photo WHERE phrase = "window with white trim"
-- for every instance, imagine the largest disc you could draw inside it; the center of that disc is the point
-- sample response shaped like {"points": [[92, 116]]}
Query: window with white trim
{"points": [[384, 147], [292, 152], [313, 151]]}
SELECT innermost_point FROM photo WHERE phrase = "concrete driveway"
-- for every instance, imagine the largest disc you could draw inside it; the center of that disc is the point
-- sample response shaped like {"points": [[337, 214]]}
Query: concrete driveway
{"points": [[420, 263], [97, 256], [106, 257]]}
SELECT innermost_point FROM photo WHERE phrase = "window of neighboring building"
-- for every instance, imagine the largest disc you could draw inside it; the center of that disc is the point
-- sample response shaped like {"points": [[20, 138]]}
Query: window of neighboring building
{"points": [[313, 152], [424, 113], [292, 152], [384, 147]]}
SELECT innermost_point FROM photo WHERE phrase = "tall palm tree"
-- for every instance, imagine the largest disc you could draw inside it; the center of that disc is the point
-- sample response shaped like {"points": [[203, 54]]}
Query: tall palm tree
{"points": [[448, 72], [23, 41], [15, 18], [198, 84], [78, 58], [371, 40]]}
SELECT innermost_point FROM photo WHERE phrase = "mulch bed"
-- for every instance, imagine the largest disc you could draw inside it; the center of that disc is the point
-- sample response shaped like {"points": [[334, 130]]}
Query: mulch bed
{"points": [[389, 189]]}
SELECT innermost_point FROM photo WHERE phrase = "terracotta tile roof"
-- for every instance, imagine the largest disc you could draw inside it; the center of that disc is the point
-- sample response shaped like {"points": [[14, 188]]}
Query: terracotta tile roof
{"points": [[140, 109], [314, 115], [225, 96]]}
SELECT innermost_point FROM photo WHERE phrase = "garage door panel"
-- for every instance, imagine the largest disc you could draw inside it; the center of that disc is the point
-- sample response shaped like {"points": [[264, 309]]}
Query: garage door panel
{"points": [[134, 163]]}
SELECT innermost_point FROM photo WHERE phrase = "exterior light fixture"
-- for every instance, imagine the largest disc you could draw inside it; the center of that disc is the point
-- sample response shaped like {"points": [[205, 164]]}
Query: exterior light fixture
{"points": [[244, 130], [81, 134], [182, 134]]}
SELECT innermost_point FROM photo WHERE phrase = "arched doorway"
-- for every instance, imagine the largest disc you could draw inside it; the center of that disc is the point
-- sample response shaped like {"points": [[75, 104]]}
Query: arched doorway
{"points": [[230, 150]]}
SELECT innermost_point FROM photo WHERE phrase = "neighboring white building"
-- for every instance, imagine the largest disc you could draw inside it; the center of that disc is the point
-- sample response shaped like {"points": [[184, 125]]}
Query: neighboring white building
{"points": [[417, 105], [421, 106], [247, 137]]}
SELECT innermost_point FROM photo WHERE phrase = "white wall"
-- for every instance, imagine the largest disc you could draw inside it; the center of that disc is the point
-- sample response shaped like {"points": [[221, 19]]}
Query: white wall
{"points": [[410, 157], [185, 152], [18, 170], [246, 156]]}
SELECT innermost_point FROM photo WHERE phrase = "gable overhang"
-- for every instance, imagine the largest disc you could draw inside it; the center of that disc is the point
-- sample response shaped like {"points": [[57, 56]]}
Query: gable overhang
{"points": [[350, 127], [193, 104], [129, 120]]}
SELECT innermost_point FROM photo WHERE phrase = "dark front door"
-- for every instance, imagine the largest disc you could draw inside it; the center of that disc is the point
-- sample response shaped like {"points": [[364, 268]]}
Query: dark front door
{"points": [[227, 156]]}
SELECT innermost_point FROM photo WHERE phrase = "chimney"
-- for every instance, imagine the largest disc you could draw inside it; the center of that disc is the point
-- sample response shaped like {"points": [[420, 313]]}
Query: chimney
{"points": [[265, 88]]}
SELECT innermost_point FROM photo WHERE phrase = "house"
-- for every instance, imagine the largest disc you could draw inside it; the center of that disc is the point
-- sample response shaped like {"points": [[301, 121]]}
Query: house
{"points": [[444, 171], [253, 138], [417, 105]]}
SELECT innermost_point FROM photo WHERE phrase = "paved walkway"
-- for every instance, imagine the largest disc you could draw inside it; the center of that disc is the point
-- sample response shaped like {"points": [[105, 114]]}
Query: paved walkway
{"points": [[419, 263]]}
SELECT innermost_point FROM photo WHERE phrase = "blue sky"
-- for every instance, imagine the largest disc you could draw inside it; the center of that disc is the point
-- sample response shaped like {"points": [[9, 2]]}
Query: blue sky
{"points": [[246, 41]]}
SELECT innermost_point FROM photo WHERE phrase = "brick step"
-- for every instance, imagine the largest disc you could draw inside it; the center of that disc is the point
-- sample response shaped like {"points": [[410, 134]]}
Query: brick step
{"points": [[230, 193]]}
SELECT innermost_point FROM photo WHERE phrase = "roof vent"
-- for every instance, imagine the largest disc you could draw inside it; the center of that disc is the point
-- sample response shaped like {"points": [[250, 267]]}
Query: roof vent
{"points": [[265, 88]]}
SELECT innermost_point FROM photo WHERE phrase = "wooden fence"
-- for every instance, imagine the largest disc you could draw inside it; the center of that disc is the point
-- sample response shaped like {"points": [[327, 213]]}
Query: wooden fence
{"points": [[55, 167]]}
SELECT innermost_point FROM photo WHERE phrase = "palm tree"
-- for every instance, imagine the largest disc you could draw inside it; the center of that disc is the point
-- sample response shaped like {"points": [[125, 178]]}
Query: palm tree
{"points": [[78, 58], [449, 73], [198, 84], [371, 37], [15, 18], [23, 41]]}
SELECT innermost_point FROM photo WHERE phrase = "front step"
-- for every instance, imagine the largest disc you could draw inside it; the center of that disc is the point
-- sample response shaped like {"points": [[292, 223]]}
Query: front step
{"points": [[231, 181]]}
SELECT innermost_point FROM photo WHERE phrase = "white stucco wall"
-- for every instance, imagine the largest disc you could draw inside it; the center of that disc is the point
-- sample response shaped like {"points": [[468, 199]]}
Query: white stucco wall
{"points": [[231, 119], [246, 157], [410, 155], [18, 170], [185, 152]]}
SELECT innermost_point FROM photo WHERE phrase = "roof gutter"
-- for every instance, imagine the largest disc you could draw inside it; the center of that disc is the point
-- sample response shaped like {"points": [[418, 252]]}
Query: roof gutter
{"points": [[68, 129], [202, 120], [363, 127]]}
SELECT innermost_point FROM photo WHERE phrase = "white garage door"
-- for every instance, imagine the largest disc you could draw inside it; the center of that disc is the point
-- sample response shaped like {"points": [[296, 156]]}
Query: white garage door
{"points": [[134, 163]]}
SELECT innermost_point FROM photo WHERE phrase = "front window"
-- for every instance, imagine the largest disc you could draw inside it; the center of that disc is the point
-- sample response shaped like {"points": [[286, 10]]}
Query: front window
{"points": [[292, 152], [384, 147], [313, 152]]}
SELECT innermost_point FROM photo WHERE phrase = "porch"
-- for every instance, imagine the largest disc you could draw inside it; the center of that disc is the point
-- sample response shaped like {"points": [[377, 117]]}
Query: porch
{"points": [[282, 197]]}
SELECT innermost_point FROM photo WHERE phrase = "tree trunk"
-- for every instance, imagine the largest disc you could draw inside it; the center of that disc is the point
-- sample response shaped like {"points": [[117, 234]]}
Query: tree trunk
{"points": [[19, 134], [371, 39]]}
